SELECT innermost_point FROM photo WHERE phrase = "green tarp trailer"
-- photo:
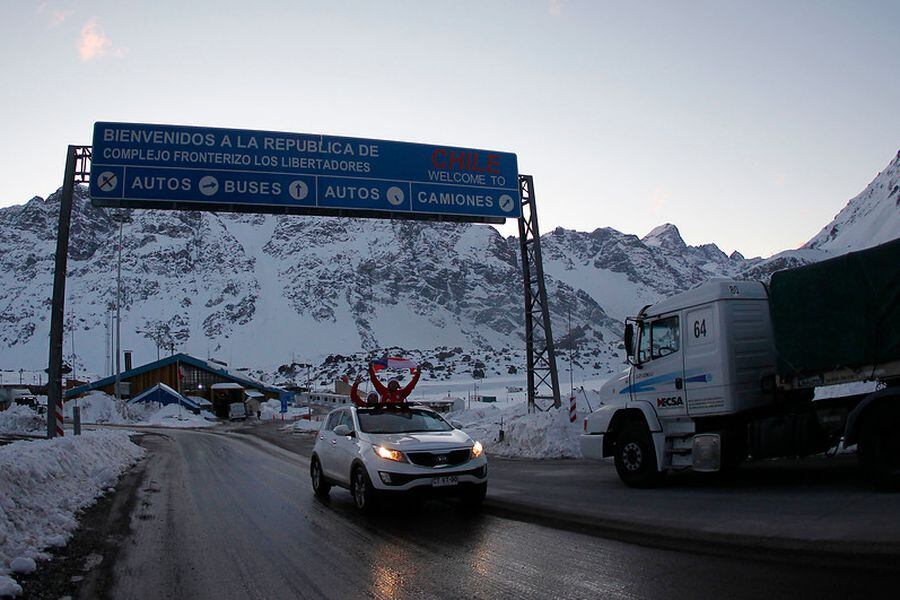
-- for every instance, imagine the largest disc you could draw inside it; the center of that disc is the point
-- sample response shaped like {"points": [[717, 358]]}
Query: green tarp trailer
{"points": [[840, 313]]}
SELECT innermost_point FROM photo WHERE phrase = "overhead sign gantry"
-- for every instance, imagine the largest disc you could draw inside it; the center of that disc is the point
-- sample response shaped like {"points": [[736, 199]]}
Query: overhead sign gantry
{"points": [[139, 165], [201, 168]]}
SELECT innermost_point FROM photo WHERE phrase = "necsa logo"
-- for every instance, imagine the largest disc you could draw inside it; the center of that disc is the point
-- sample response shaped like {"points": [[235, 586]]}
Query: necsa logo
{"points": [[669, 402]]}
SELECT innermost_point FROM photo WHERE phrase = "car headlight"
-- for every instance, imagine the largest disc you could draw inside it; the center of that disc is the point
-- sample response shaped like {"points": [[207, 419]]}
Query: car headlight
{"points": [[388, 454], [477, 450]]}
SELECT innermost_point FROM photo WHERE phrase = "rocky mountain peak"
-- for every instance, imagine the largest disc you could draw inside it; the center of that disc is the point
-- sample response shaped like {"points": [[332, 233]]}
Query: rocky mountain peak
{"points": [[665, 236]]}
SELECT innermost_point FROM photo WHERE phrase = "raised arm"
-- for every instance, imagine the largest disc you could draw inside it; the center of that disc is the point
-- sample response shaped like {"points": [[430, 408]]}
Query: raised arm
{"points": [[379, 387], [406, 391], [354, 392]]}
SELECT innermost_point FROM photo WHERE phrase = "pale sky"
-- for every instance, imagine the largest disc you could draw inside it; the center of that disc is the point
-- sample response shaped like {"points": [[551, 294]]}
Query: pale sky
{"points": [[748, 124]]}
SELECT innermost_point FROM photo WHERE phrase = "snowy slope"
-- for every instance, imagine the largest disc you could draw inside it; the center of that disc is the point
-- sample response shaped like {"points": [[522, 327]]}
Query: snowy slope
{"points": [[869, 219], [259, 291], [255, 290]]}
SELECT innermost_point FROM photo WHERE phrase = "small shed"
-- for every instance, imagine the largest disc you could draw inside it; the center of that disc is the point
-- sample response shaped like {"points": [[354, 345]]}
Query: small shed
{"points": [[164, 395]]}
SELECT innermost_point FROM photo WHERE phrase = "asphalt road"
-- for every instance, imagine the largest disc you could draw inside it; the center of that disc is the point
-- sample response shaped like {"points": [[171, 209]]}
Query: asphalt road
{"points": [[224, 515]]}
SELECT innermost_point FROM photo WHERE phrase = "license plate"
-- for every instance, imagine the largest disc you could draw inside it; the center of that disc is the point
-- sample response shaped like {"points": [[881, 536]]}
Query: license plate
{"points": [[444, 481]]}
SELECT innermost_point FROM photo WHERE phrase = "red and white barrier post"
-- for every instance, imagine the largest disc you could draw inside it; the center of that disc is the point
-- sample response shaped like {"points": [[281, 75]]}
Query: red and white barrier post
{"points": [[572, 405], [59, 418]]}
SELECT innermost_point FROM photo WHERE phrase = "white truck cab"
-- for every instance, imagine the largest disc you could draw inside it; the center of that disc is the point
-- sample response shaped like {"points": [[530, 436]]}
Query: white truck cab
{"points": [[717, 374], [684, 367], [727, 371]]}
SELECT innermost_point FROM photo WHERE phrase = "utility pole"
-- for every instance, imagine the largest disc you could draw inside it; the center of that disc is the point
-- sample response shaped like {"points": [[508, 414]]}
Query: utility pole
{"points": [[571, 350]]}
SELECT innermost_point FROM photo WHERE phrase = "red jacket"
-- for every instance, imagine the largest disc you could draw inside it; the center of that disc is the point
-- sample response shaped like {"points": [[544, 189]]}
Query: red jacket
{"points": [[398, 395]]}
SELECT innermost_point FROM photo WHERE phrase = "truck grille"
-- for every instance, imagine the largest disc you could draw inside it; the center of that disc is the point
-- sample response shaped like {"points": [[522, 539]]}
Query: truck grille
{"points": [[439, 459]]}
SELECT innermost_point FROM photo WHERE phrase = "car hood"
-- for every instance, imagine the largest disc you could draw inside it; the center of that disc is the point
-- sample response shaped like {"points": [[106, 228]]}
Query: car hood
{"points": [[426, 440]]}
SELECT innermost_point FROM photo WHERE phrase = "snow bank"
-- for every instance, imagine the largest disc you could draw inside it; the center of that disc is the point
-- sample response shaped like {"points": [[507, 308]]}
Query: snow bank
{"points": [[96, 407], [271, 410], [43, 486], [171, 415], [99, 407], [19, 418], [536, 435]]}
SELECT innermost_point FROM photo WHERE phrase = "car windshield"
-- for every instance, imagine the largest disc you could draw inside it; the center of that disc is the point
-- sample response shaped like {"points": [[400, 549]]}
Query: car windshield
{"points": [[394, 420]]}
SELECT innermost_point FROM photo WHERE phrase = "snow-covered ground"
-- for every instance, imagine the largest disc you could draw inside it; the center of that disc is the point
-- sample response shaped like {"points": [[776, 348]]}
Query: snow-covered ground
{"points": [[43, 486]]}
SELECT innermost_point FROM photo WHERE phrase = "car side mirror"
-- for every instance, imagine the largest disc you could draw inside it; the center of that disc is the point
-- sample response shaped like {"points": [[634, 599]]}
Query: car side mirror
{"points": [[629, 339], [456, 424], [343, 430]]}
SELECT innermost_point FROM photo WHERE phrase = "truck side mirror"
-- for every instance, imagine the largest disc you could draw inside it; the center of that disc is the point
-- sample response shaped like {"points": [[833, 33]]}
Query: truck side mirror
{"points": [[629, 339]]}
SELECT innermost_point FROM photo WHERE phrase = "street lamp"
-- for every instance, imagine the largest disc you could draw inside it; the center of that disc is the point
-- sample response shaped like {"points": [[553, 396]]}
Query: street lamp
{"points": [[120, 217]]}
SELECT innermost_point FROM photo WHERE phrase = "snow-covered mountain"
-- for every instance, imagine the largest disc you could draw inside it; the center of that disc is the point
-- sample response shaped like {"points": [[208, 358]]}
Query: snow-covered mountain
{"points": [[869, 219], [262, 291]]}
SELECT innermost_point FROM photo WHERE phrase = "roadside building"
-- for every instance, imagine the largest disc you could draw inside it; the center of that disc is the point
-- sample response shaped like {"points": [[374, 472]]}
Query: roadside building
{"points": [[188, 376]]}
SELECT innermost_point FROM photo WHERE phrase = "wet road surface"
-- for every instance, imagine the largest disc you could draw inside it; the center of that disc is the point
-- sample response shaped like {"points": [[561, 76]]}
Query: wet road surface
{"points": [[231, 516]]}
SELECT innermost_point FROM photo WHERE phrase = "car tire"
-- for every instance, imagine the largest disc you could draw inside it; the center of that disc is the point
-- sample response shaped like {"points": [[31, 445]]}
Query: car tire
{"points": [[320, 485], [362, 490], [472, 496], [879, 447], [636, 459]]}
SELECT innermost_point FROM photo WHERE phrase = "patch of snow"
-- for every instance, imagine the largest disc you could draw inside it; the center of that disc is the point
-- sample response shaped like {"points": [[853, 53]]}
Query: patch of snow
{"points": [[21, 419], [270, 410], [9, 587], [844, 389], [22, 565], [45, 483], [536, 435], [304, 426], [173, 415]]}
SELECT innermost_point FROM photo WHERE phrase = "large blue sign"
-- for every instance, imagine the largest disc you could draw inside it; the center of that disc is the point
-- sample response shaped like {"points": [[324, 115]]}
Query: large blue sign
{"points": [[171, 166]]}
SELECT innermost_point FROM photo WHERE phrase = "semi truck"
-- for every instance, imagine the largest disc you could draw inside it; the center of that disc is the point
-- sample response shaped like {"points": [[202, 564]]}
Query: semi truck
{"points": [[727, 371]]}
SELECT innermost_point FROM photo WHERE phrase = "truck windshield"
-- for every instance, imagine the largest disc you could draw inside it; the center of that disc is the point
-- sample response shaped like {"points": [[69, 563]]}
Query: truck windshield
{"points": [[399, 420]]}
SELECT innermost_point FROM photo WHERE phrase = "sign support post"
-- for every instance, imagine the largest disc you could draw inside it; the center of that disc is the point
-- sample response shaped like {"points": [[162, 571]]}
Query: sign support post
{"points": [[76, 172], [543, 378]]}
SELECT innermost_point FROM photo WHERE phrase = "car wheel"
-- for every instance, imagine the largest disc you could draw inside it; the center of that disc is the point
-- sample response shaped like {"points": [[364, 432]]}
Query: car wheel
{"points": [[320, 485], [879, 447], [362, 490], [636, 458], [473, 495]]}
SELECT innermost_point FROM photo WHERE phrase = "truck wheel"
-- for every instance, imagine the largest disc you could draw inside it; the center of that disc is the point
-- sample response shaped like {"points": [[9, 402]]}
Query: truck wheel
{"points": [[636, 458], [320, 485], [879, 447]]}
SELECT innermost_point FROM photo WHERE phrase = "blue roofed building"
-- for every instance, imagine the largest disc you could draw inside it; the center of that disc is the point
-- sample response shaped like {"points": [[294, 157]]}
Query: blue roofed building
{"points": [[186, 375]]}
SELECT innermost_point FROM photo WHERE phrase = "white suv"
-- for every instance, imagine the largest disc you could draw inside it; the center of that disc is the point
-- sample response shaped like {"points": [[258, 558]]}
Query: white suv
{"points": [[377, 450]]}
